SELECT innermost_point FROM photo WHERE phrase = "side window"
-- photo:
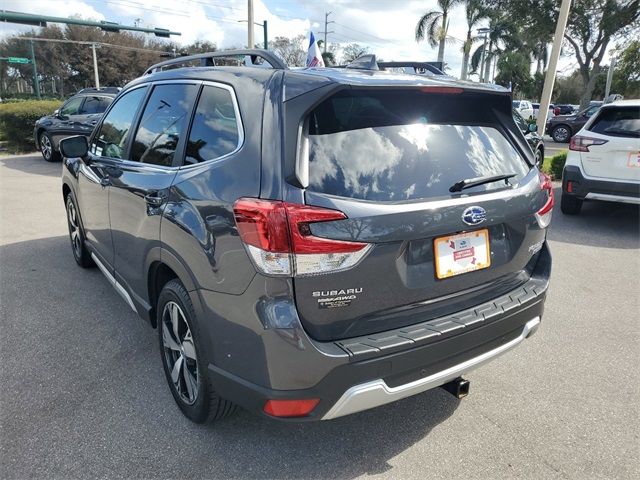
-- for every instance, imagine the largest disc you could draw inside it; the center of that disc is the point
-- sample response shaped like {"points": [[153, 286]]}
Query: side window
{"points": [[590, 111], [111, 140], [164, 119], [71, 107], [95, 105], [215, 127]]}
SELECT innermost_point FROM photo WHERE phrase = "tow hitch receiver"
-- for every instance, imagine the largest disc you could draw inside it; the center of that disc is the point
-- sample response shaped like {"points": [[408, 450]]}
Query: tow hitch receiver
{"points": [[458, 387]]}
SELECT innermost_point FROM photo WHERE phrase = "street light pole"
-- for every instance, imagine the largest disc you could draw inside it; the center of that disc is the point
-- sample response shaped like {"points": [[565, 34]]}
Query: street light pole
{"points": [[95, 66], [36, 83], [484, 32], [550, 77], [250, 42]]}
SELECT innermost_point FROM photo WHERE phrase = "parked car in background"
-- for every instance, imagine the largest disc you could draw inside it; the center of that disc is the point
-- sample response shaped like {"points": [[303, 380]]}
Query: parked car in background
{"points": [[77, 116], [311, 243], [603, 162], [564, 109], [536, 111], [562, 127], [529, 130], [524, 108]]}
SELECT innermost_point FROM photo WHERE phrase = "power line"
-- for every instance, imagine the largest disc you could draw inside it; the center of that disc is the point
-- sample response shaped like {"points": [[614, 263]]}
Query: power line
{"points": [[102, 44]]}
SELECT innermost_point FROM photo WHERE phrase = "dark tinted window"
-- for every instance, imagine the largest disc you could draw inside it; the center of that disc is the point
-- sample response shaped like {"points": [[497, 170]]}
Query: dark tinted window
{"points": [[163, 121], [95, 105], [618, 122], [111, 140], [402, 146], [71, 107], [215, 127]]}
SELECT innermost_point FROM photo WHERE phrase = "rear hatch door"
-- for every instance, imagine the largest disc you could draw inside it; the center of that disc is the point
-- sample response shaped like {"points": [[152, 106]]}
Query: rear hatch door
{"points": [[388, 160]]}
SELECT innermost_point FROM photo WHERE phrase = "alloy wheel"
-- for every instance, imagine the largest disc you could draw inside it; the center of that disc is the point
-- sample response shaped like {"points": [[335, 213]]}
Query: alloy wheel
{"points": [[74, 228], [180, 352], [45, 146], [561, 134]]}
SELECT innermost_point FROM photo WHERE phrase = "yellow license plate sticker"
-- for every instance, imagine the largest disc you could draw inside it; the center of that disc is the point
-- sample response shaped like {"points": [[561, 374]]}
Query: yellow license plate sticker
{"points": [[461, 253]]}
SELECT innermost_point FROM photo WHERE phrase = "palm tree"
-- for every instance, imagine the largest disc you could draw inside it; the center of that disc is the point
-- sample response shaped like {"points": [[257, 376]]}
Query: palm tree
{"points": [[502, 37], [434, 25], [474, 14]]}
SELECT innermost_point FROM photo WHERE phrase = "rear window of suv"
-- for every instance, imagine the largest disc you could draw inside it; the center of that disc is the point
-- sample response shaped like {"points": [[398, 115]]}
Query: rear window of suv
{"points": [[399, 146], [618, 122]]}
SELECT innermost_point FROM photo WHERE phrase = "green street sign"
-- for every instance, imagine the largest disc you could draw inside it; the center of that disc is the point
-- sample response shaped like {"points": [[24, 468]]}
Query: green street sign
{"points": [[18, 60]]}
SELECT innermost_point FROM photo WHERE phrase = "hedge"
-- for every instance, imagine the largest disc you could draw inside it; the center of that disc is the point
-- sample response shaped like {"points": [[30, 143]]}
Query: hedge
{"points": [[18, 119], [555, 165]]}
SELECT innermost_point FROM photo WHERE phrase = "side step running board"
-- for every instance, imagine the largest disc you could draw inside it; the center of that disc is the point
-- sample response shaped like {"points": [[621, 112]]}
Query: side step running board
{"points": [[114, 283]]}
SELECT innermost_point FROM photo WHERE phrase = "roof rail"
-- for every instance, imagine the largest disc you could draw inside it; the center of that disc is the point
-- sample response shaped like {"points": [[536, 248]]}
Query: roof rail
{"points": [[100, 90], [208, 59]]}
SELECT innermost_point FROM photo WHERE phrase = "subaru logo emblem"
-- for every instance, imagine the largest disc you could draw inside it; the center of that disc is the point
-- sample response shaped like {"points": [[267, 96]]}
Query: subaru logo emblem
{"points": [[474, 215]]}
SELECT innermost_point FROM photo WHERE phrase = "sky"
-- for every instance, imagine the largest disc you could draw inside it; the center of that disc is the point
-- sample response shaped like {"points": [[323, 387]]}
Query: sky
{"points": [[386, 27]]}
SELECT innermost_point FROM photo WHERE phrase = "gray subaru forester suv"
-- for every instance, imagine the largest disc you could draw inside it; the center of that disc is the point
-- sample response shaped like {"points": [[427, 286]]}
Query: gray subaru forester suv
{"points": [[310, 243]]}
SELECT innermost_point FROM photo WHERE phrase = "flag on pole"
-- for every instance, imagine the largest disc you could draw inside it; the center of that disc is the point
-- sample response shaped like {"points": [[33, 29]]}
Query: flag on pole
{"points": [[314, 57]]}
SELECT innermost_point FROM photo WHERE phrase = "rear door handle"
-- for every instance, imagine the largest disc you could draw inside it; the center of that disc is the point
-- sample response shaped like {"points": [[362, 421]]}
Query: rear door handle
{"points": [[154, 199]]}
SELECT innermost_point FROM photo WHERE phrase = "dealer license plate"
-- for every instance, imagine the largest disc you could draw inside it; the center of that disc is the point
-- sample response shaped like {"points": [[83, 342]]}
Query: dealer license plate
{"points": [[462, 253]]}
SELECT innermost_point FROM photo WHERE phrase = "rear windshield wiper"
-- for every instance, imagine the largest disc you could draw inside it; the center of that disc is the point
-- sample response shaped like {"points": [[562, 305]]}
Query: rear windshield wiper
{"points": [[473, 182]]}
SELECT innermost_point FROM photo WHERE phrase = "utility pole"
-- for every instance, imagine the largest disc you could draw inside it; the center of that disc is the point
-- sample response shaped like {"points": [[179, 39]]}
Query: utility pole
{"points": [[36, 83], [550, 77], [250, 42], [612, 66], [95, 66], [266, 38], [326, 30]]}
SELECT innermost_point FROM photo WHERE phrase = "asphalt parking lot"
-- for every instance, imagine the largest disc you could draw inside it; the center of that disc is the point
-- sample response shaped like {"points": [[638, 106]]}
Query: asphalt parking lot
{"points": [[83, 393]]}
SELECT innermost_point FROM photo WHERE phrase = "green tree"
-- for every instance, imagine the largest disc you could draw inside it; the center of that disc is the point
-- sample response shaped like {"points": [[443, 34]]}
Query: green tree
{"points": [[474, 15], [513, 68], [434, 26], [626, 76], [290, 50], [592, 25]]}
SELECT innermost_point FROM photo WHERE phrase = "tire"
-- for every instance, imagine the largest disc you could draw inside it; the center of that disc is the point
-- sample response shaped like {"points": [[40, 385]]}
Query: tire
{"points": [[46, 148], [76, 235], [570, 205], [561, 134], [184, 355], [539, 157]]}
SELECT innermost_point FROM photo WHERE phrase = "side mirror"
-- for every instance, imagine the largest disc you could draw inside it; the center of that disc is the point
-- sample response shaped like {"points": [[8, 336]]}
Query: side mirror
{"points": [[533, 127], [74, 147], [56, 112]]}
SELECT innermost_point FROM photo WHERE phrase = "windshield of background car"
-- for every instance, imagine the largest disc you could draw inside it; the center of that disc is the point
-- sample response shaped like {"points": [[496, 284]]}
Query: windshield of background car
{"points": [[618, 122], [94, 105], [399, 145], [520, 122], [516, 104]]}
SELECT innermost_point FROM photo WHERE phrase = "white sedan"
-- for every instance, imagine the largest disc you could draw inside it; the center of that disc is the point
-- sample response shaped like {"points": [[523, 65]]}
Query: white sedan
{"points": [[524, 108], [604, 158]]}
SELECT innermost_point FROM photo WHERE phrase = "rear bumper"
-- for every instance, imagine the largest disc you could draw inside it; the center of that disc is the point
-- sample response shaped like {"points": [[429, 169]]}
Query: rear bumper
{"points": [[386, 367], [605, 190], [377, 392]]}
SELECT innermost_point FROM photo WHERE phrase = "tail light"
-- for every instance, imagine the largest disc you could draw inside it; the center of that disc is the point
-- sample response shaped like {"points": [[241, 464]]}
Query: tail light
{"points": [[290, 408], [278, 238], [582, 144], [543, 216], [556, 111]]}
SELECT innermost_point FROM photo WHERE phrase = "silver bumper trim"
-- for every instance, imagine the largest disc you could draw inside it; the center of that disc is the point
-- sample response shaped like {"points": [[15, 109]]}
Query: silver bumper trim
{"points": [[612, 198], [377, 392]]}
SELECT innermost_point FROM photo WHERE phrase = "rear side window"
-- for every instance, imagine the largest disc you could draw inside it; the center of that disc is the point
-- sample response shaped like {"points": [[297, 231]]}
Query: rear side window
{"points": [[71, 107], [162, 124], [403, 146], [95, 105], [215, 131], [111, 140], [618, 122]]}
